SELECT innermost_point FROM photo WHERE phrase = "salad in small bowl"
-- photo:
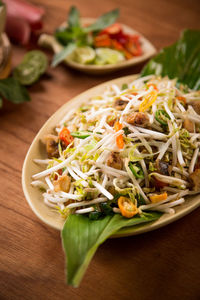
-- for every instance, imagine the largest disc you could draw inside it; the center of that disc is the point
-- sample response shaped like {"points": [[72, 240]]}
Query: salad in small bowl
{"points": [[97, 45]]}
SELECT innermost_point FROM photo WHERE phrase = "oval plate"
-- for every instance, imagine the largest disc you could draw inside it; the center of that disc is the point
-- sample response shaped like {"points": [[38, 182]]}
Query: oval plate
{"points": [[37, 150], [148, 51]]}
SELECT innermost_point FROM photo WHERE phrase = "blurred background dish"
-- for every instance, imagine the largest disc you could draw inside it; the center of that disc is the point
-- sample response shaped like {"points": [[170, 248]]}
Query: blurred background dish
{"points": [[148, 50]]}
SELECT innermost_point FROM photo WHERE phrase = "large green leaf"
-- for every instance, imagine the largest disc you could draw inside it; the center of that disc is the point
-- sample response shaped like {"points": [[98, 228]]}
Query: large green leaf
{"points": [[81, 237], [181, 60]]}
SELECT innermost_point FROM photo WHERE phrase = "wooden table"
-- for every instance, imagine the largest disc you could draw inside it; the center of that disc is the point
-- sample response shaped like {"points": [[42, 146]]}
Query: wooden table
{"points": [[163, 264]]}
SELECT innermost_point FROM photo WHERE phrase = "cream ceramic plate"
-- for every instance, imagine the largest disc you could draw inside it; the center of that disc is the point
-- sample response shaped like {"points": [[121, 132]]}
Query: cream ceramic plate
{"points": [[148, 51], [37, 150]]}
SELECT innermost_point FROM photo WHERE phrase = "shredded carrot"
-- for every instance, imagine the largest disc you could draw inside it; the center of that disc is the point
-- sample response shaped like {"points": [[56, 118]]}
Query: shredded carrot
{"points": [[148, 101], [117, 126], [158, 198], [153, 85], [119, 139]]}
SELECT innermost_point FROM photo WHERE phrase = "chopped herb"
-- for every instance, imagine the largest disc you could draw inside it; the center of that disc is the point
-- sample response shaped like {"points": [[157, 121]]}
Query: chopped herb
{"points": [[126, 130], [136, 169], [124, 86]]}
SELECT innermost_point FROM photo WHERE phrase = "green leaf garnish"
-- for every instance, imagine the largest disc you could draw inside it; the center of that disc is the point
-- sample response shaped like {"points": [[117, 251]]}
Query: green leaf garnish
{"points": [[181, 60], [63, 54], [104, 21], [73, 17], [81, 237]]}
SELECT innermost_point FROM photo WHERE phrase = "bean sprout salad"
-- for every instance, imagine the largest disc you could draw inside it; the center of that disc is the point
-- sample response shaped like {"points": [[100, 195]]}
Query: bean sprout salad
{"points": [[131, 149]]}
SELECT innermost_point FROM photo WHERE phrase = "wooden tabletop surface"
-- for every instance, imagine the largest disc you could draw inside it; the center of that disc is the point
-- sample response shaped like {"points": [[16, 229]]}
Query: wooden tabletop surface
{"points": [[164, 264]]}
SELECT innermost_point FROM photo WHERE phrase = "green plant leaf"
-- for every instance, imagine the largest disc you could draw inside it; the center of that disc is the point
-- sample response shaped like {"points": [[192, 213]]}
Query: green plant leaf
{"points": [[104, 21], [81, 237], [73, 17], [13, 91], [58, 57], [181, 60]]}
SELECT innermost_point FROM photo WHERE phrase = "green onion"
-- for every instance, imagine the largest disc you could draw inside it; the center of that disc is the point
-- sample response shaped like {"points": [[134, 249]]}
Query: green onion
{"points": [[136, 169], [80, 134], [161, 116], [124, 86]]}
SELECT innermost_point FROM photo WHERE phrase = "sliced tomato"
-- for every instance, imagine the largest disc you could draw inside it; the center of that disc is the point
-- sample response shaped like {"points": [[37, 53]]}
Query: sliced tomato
{"points": [[113, 29], [102, 40]]}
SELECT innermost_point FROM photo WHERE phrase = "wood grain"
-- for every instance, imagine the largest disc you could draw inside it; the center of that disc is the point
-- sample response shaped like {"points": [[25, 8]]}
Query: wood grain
{"points": [[163, 264]]}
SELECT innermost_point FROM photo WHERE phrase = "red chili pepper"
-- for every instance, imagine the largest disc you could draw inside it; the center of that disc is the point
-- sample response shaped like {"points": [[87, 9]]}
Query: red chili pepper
{"points": [[153, 85], [113, 29], [65, 136]]}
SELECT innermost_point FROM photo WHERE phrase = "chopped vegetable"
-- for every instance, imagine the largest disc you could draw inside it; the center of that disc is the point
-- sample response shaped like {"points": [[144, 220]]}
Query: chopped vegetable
{"points": [[136, 169], [34, 64], [65, 136], [106, 208], [127, 208], [84, 55], [162, 117], [80, 134], [124, 86], [153, 85], [119, 138], [149, 99], [158, 198], [108, 56]]}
